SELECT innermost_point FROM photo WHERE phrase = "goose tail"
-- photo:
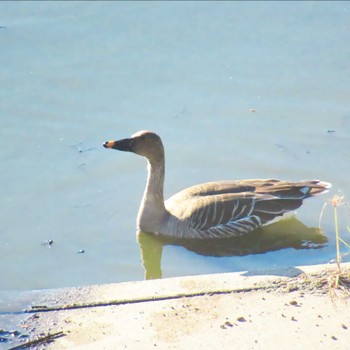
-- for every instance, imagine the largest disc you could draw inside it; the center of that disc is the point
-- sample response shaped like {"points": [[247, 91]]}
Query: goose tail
{"points": [[317, 187]]}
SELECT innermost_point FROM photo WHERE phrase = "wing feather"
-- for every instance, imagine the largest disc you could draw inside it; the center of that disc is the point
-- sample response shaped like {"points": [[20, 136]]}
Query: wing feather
{"points": [[232, 208]]}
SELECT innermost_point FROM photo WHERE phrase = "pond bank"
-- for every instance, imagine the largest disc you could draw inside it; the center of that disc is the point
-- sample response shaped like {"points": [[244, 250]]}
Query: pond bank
{"points": [[289, 307]]}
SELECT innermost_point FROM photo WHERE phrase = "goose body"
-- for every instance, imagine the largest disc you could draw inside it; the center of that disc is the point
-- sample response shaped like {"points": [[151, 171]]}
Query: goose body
{"points": [[210, 210]]}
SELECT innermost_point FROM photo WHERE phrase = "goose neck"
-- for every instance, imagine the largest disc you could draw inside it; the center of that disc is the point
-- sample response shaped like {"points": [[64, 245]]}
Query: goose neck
{"points": [[155, 184]]}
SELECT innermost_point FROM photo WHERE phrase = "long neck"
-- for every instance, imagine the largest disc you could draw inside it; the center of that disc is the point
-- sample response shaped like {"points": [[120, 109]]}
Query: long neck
{"points": [[152, 208], [155, 184]]}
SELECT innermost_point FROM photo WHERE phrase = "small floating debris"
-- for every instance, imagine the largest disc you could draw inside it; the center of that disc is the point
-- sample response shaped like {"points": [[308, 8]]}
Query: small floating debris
{"points": [[330, 131], [80, 148], [86, 149], [47, 243], [81, 251], [252, 110]]}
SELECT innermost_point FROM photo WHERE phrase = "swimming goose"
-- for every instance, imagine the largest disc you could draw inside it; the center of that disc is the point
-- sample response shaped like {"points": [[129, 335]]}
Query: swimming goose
{"points": [[210, 210]]}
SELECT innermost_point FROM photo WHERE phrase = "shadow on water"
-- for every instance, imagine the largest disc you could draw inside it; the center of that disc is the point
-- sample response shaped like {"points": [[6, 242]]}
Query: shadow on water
{"points": [[286, 233]]}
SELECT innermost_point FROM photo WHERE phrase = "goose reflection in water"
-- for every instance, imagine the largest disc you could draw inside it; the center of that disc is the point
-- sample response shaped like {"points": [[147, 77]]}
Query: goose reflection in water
{"points": [[286, 233]]}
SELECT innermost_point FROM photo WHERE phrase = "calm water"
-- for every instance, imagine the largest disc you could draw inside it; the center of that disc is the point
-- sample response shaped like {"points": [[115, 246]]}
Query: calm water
{"points": [[75, 74]]}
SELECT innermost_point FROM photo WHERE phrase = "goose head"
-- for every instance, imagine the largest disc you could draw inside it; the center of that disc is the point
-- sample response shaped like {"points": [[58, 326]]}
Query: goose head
{"points": [[144, 143]]}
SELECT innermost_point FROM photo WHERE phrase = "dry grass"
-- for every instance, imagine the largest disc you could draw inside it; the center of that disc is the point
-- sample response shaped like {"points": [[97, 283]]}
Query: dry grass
{"points": [[338, 280], [339, 285]]}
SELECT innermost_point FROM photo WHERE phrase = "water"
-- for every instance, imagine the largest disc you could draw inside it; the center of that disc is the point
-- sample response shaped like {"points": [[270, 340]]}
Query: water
{"points": [[75, 74]]}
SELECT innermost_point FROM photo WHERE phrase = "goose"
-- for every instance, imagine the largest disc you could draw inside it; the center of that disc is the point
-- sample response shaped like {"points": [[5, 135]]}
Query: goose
{"points": [[221, 209]]}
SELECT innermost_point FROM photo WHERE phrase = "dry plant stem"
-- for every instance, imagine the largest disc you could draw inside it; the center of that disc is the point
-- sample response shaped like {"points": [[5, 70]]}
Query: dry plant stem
{"points": [[321, 215], [337, 238]]}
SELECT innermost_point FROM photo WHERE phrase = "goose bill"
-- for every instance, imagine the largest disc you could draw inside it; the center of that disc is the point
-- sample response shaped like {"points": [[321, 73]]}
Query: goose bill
{"points": [[121, 145]]}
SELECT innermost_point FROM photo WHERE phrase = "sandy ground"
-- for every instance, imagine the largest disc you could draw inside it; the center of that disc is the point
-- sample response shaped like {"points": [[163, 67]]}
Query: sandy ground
{"points": [[225, 311]]}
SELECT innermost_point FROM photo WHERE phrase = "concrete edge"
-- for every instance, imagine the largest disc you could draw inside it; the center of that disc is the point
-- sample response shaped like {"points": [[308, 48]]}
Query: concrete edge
{"points": [[168, 288]]}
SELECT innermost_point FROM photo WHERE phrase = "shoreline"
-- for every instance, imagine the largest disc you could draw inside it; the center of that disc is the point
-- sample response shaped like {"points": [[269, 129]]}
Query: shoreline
{"points": [[251, 309]]}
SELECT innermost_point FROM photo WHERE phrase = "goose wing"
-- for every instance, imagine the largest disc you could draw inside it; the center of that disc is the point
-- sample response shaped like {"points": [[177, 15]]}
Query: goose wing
{"points": [[232, 208], [223, 215]]}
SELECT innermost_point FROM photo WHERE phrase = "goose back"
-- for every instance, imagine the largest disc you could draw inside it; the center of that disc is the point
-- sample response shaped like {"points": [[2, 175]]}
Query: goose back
{"points": [[232, 208]]}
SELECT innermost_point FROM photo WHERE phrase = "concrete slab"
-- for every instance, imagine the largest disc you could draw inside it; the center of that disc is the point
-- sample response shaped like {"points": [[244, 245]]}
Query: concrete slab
{"points": [[289, 308]]}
